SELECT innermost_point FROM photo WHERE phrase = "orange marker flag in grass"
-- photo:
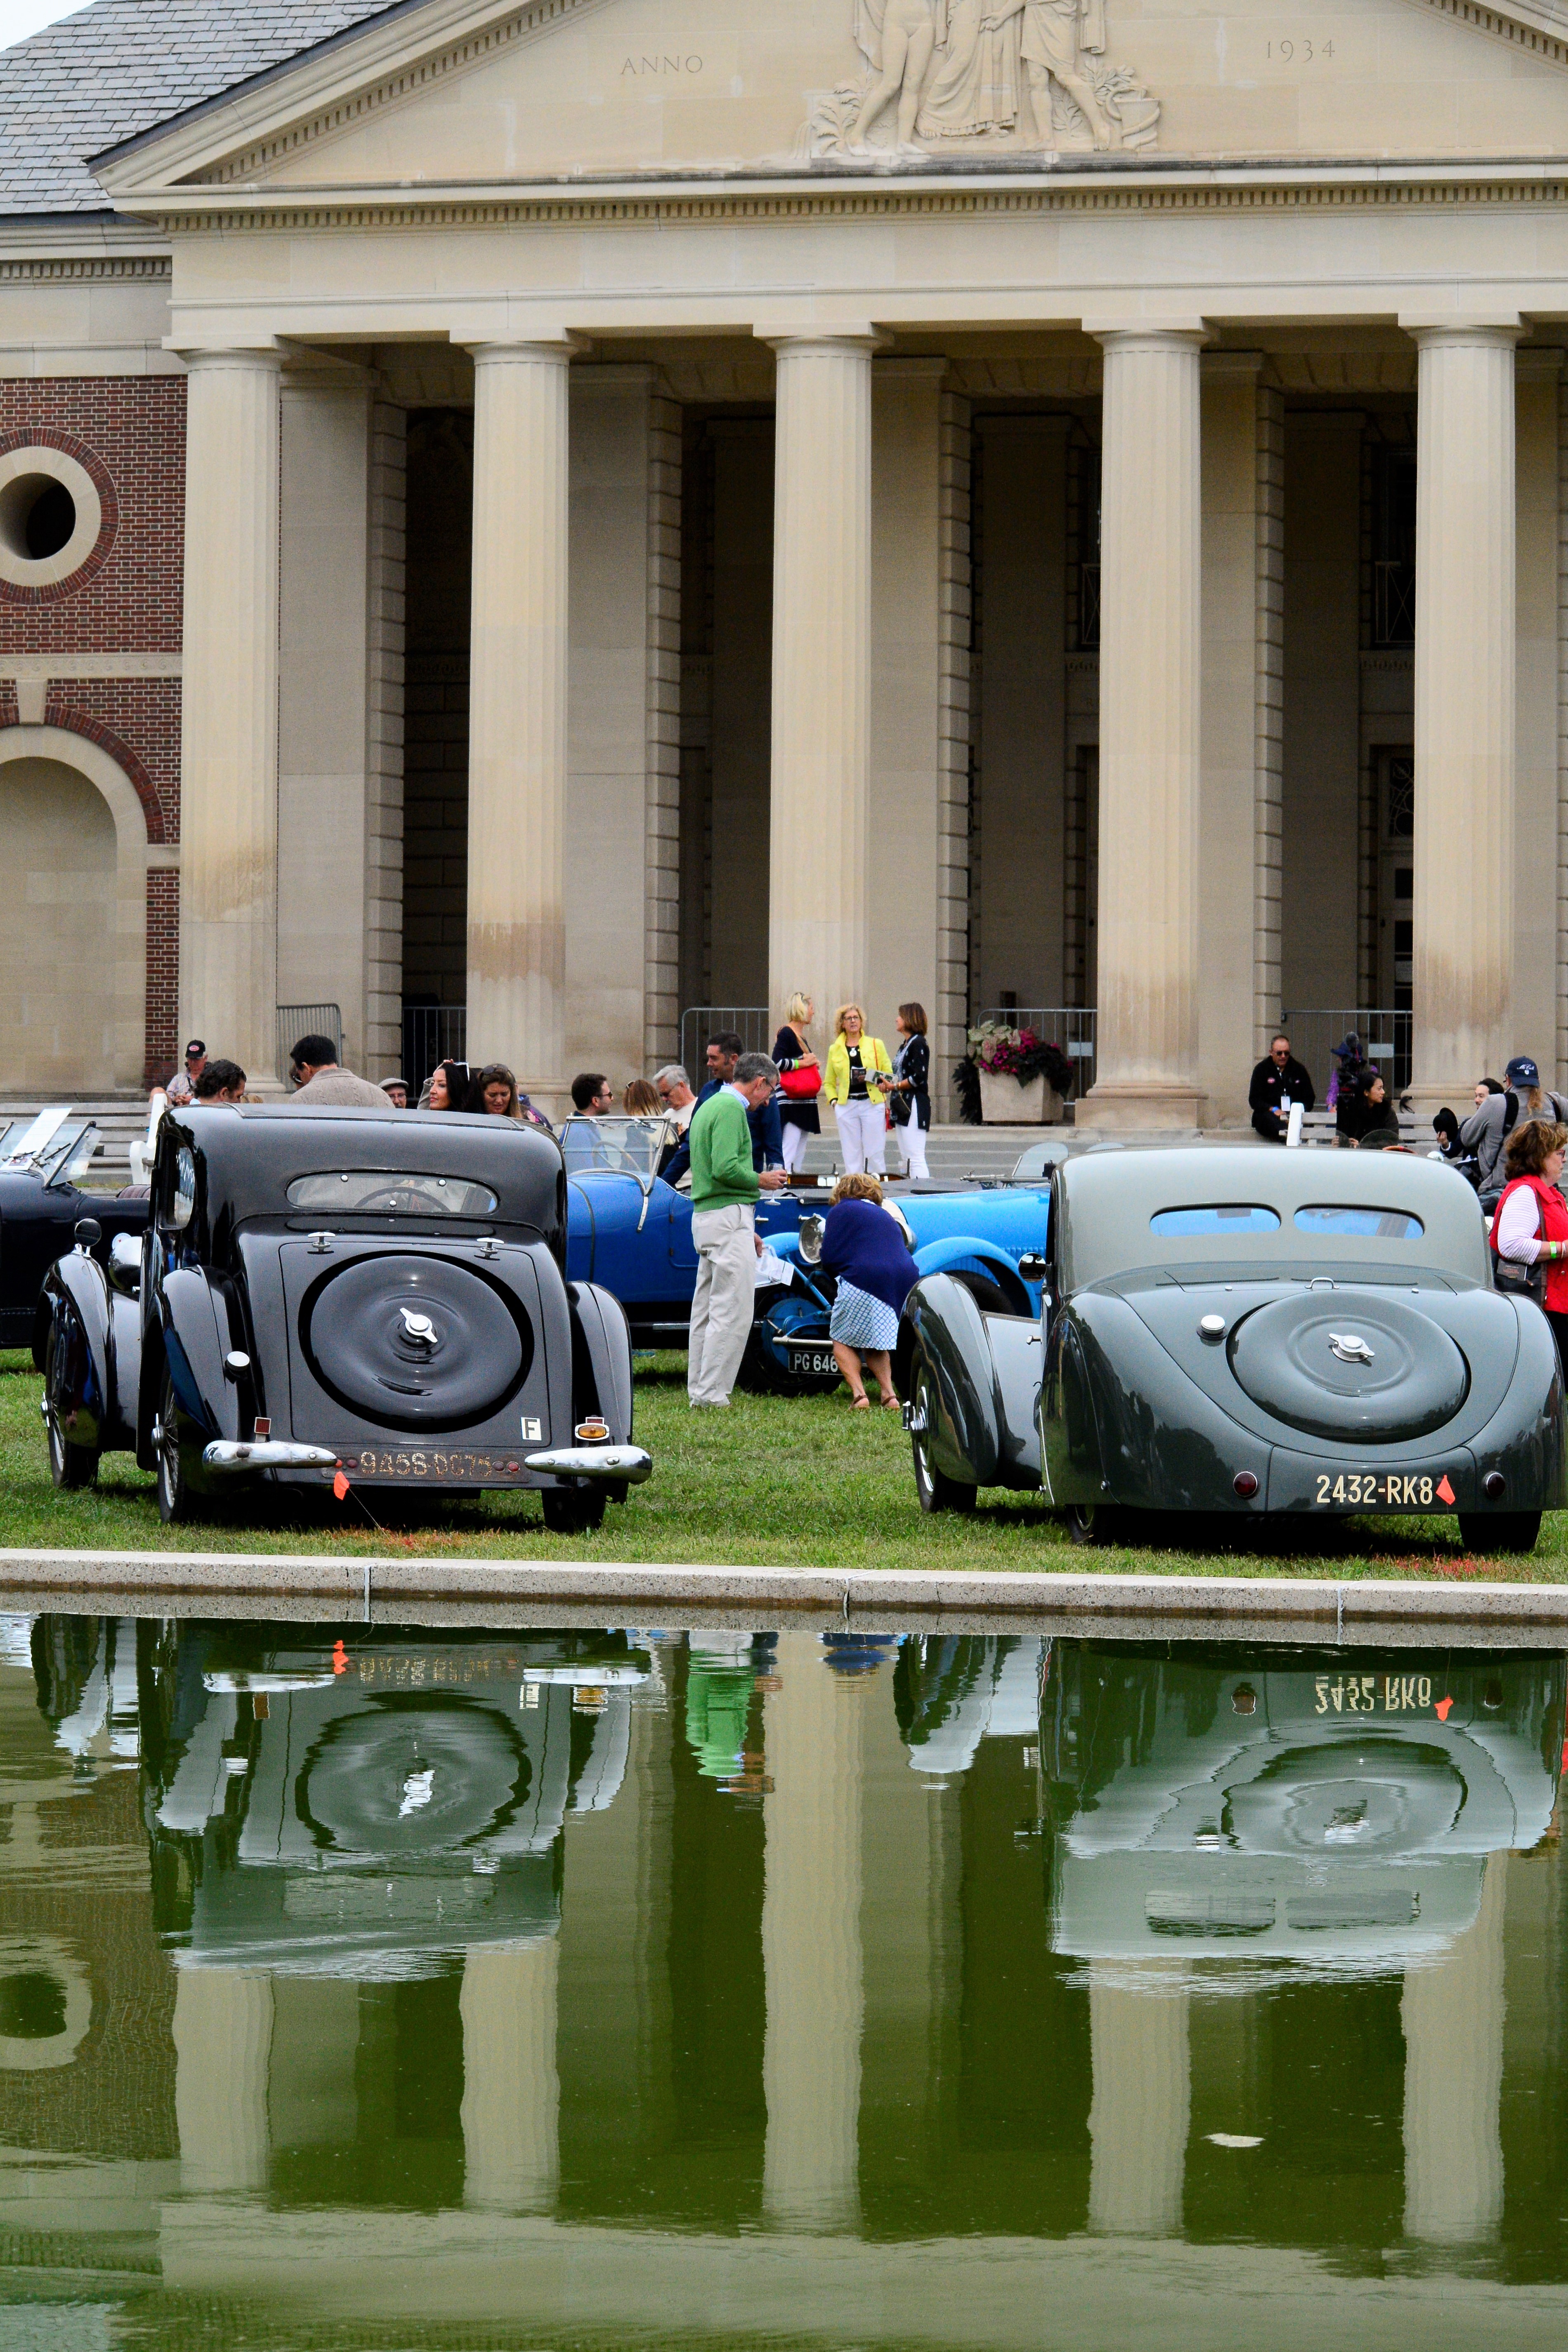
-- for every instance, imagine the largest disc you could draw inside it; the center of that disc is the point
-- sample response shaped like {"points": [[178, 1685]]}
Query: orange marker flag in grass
{"points": [[340, 1485]]}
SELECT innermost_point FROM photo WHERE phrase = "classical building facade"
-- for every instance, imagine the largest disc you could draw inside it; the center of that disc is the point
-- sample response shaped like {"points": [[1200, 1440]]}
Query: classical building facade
{"points": [[578, 510]]}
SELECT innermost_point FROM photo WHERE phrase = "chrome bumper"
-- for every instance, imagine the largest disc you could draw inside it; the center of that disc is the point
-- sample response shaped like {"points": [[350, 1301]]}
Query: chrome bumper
{"points": [[627, 1462], [265, 1454]]}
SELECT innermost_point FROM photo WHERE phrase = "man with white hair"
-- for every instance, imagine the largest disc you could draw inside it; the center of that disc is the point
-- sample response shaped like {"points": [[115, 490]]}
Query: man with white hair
{"points": [[674, 1090]]}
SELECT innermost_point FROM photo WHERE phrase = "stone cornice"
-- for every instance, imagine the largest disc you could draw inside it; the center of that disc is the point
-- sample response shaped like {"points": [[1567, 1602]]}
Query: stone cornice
{"points": [[42, 269], [1202, 188]]}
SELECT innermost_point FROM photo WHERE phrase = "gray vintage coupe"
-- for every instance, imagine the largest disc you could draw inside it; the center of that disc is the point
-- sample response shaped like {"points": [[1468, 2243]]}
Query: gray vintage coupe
{"points": [[1257, 1334]]}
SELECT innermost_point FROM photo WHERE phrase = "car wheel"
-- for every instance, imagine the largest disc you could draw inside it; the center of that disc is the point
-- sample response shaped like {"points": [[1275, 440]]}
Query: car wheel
{"points": [[574, 1511], [175, 1507], [1093, 1523], [937, 1492], [69, 1465], [1499, 1530]]}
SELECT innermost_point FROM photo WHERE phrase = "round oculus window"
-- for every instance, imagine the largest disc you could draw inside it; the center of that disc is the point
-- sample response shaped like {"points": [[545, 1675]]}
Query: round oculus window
{"points": [[51, 516]]}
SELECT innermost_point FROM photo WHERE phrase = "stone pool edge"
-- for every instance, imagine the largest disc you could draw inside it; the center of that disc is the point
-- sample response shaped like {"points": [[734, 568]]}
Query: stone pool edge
{"points": [[483, 1591]]}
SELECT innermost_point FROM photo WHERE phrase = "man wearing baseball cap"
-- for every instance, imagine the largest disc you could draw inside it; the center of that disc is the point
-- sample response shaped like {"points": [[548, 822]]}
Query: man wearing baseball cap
{"points": [[1487, 1130], [181, 1089]]}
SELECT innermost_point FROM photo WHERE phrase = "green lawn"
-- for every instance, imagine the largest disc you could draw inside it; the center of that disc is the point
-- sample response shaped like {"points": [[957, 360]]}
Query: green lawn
{"points": [[773, 1482]]}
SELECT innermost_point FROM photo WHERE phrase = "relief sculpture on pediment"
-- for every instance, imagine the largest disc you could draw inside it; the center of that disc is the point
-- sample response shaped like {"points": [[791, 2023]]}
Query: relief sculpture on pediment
{"points": [[965, 77]]}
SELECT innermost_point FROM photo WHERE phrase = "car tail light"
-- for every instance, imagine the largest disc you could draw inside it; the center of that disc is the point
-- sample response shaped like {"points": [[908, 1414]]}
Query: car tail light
{"points": [[1245, 1485]]}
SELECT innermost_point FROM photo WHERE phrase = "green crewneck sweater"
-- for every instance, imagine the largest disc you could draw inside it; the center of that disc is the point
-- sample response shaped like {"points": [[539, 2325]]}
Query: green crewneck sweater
{"points": [[722, 1176]]}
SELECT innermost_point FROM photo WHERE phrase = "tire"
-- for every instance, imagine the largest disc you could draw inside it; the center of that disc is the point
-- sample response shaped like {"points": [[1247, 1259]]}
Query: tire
{"points": [[70, 1467], [574, 1511], [937, 1492], [1094, 1523], [176, 1505], [1509, 1531]]}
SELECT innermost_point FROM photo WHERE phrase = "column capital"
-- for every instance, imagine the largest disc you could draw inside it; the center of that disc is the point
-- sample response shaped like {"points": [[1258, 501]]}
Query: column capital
{"points": [[1157, 334], [854, 338], [268, 355], [1498, 333], [532, 350]]}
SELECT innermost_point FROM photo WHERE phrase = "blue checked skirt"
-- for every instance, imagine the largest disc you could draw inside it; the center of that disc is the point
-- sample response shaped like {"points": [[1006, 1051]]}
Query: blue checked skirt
{"points": [[861, 1321]]}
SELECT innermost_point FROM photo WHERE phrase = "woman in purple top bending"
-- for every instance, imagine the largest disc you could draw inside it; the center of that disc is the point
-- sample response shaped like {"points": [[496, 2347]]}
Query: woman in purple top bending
{"points": [[865, 1247]]}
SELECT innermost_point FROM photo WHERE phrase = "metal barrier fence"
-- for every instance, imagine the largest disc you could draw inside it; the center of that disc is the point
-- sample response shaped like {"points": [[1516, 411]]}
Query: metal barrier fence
{"points": [[752, 1022], [1385, 1036], [1070, 1026], [296, 1021], [432, 1033]]}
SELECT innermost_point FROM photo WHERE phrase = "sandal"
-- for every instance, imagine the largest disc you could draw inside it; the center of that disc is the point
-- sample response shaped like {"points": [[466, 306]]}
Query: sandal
{"points": [[860, 1404], [891, 1404]]}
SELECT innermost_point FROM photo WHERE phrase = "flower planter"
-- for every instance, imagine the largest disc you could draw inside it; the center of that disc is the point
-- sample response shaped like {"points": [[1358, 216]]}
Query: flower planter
{"points": [[1005, 1103]]}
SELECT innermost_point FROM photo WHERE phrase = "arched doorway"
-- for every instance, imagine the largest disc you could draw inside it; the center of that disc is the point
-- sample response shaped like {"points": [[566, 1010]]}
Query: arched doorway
{"points": [[73, 849]]}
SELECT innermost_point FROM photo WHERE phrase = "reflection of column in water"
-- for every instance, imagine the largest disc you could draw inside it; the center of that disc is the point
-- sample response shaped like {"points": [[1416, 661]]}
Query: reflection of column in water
{"points": [[223, 2037], [1453, 2019], [1142, 2095], [811, 1941], [511, 2094]]}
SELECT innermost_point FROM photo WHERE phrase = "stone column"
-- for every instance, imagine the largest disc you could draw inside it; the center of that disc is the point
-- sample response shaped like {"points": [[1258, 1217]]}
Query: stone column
{"points": [[819, 908], [228, 753], [223, 2040], [1142, 2100], [518, 715], [511, 2093], [1453, 2013], [1150, 648], [1465, 708], [811, 1943]]}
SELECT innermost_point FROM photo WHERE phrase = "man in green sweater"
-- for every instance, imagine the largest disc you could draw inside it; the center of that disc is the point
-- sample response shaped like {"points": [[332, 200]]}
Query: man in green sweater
{"points": [[724, 1189]]}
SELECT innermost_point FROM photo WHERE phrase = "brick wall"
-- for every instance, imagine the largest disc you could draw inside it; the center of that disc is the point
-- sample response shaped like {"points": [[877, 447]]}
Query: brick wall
{"points": [[130, 434]]}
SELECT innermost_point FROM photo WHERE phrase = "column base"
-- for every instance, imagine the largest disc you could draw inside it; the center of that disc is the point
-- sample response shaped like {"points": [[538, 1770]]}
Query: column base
{"points": [[1145, 1107]]}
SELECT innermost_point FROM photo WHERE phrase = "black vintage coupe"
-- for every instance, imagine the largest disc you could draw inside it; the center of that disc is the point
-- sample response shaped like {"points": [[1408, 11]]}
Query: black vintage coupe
{"points": [[42, 1163], [337, 1295], [1290, 1335]]}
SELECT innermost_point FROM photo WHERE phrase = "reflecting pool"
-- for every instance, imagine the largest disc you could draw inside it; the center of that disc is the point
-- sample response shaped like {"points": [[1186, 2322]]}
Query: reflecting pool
{"points": [[375, 1986]]}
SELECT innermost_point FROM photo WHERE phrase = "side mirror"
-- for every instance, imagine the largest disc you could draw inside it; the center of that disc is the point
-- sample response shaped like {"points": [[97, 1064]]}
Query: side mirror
{"points": [[1032, 1266], [89, 1232], [124, 1265]]}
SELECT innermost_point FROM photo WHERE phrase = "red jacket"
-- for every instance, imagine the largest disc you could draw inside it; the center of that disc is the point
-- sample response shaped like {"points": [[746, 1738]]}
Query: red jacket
{"points": [[1553, 1227]]}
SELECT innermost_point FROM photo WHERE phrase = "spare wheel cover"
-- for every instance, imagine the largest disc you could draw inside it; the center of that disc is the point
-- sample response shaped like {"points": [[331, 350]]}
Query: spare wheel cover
{"points": [[412, 1342], [1344, 1366]]}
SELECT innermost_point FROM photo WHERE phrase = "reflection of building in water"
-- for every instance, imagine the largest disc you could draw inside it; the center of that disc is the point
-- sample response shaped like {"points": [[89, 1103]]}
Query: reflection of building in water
{"points": [[1308, 1819]]}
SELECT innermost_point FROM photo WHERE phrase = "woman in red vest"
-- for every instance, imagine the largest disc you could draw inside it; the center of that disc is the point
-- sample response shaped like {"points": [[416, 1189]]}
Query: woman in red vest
{"points": [[1531, 1227]]}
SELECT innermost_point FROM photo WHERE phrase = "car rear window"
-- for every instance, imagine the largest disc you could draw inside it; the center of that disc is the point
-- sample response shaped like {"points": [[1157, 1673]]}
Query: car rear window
{"points": [[388, 1192], [1219, 1217], [1376, 1224]]}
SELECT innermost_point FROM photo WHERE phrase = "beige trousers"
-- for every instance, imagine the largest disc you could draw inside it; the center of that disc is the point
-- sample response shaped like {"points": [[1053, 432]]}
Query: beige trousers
{"points": [[724, 1306]]}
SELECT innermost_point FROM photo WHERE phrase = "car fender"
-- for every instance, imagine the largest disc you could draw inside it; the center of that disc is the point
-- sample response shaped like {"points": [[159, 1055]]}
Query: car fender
{"points": [[948, 1336], [1524, 1438], [76, 1286], [195, 1344], [961, 1250], [601, 1359], [1159, 1442]]}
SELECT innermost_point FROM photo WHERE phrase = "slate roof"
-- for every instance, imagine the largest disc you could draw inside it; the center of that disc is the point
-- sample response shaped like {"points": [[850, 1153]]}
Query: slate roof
{"points": [[119, 66]]}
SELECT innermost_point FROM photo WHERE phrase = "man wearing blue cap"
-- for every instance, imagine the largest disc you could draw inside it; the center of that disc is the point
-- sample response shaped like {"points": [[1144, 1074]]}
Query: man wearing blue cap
{"points": [[1487, 1130]]}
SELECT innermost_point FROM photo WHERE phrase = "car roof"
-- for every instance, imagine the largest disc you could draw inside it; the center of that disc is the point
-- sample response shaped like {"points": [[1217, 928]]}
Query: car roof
{"points": [[252, 1152], [1108, 1199]]}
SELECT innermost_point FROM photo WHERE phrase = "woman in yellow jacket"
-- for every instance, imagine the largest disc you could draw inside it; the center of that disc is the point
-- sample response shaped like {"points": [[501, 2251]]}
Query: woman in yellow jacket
{"points": [[855, 1064]]}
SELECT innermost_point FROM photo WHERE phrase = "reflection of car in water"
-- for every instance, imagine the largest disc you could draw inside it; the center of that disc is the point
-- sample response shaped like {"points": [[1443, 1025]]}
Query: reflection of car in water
{"points": [[363, 1808], [952, 1691], [1322, 1806]]}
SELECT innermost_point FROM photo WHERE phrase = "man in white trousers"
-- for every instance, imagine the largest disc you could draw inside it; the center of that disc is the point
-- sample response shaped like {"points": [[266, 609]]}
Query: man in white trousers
{"points": [[725, 1187]]}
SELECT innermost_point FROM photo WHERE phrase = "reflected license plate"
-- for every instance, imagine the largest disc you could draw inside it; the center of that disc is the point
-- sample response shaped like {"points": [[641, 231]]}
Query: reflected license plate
{"points": [[431, 1465], [809, 1360]]}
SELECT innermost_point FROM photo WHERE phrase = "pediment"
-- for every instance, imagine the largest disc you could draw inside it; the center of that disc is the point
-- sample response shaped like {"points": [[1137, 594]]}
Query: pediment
{"points": [[469, 93]]}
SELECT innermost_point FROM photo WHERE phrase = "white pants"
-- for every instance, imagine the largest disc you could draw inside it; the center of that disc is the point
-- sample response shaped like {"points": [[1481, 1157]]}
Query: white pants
{"points": [[863, 1137], [913, 1144], [795, 1139], [725, 1305]]}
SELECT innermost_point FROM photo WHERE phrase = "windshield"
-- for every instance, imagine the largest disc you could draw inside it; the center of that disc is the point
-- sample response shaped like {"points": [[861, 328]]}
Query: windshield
{"points": [[387, 1193], [624, 1147]]}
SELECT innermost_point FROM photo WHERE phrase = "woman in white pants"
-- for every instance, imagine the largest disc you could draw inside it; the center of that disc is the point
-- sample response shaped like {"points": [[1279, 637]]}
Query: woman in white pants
{"points": [[912, 1106], [856, 1067], [796, 1059]]}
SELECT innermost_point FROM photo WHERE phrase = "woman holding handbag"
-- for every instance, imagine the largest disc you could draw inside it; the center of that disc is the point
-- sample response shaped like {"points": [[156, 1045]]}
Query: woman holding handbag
{"points": [[857, 1072], [800, 1080], [1530, 1231], [910, 1102]]}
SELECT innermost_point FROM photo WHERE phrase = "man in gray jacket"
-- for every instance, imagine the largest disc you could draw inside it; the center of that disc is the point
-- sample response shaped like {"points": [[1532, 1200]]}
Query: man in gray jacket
{"points": [[1487, 1130], [317, 1079]]}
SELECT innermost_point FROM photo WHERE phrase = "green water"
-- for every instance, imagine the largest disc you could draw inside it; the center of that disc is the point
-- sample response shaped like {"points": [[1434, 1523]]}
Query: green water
{"points": [[370, 1987]]}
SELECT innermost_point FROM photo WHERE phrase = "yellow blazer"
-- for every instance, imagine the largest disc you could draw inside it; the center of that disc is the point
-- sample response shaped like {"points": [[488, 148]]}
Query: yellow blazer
{"points": [[873, 1058]]}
